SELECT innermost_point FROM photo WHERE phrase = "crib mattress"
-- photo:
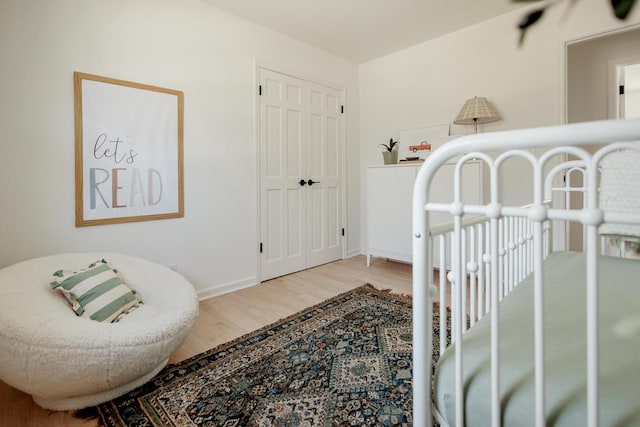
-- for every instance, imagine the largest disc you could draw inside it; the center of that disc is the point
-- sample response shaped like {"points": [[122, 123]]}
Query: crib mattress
{"points": [[565, 350]]}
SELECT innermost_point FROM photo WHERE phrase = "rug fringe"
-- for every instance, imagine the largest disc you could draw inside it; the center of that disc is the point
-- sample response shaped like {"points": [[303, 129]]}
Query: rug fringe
{"points": [[390, 292], [407, 297]]}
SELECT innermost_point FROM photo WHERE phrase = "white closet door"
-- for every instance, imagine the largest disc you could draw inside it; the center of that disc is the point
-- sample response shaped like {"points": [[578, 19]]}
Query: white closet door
{"points": [[324, 168], [300, 137], [282, 157]]}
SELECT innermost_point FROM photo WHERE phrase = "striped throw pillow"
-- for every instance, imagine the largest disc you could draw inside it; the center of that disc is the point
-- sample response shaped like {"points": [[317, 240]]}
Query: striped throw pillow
{"points": [[96, 292]]}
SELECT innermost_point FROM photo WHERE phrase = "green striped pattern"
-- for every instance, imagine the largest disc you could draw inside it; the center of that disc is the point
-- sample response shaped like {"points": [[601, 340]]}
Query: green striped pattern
{"points": [[97, 292]]}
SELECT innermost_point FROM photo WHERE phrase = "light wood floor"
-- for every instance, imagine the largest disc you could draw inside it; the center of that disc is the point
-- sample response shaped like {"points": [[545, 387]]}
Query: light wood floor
{"points": [[230, 316]]}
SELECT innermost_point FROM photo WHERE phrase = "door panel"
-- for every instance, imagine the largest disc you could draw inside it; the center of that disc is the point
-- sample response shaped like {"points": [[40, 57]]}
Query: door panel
{"points": [[333, 147], [300, 137], [282, 148], [317, 218], [295, 223], [294, 148], [325, 163], [316, 139], [273, 141], [333, 222], [273, 231]]}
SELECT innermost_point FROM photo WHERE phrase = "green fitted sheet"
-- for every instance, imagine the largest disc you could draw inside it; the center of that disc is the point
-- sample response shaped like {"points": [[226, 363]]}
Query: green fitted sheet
{"points": [[565, 350]]}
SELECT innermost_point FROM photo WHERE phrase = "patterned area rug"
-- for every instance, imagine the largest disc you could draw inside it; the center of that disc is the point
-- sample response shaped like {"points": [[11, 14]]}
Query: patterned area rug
{"points": [[344, 362]]}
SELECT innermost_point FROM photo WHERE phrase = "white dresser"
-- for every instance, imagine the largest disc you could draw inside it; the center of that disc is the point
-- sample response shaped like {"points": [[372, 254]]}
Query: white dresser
{"points": [[389, 204]]}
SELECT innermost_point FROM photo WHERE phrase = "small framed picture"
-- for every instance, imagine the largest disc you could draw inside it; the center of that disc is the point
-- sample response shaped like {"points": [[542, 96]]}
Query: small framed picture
{"points": [[417, 143]]}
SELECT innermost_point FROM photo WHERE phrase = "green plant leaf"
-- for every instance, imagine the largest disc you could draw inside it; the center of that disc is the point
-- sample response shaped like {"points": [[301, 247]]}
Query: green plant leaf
{"points": [[530, 18], [391, 145], [527, 21], [621, 8]]}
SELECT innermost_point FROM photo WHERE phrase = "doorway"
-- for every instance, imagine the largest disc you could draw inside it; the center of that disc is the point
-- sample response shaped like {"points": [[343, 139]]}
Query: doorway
{"points": [[592, 74], [301, 143], [628, 84], [594, 66]]}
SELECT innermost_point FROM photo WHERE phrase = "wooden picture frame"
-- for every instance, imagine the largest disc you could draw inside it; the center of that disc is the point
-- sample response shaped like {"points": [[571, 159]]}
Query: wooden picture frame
{"points": [[128, 151]]}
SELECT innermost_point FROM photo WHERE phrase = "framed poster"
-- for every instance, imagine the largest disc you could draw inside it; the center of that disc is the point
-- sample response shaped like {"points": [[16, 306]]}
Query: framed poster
{"points": [[128, 152], [413, 139]]}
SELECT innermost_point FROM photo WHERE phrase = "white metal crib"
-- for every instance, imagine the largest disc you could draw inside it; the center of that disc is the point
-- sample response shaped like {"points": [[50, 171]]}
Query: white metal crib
{"points": [[491, 248]]}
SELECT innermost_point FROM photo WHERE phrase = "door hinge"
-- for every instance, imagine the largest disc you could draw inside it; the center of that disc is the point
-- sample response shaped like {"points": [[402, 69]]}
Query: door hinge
{"points": [[342, 109], [260, 90], [343, 231], [621, 90], [260, 247]]}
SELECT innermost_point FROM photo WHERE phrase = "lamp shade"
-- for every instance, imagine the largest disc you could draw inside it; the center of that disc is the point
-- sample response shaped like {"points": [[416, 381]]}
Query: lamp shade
{"points": [[476, 110]]}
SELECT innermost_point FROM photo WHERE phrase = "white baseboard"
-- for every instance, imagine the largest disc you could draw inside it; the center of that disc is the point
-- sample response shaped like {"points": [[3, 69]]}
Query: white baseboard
{"points": [[226, 288], [354, 252]]}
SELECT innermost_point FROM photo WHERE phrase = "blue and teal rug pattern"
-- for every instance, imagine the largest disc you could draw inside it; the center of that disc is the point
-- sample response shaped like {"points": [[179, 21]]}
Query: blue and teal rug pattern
{"points": [[344, 362]]}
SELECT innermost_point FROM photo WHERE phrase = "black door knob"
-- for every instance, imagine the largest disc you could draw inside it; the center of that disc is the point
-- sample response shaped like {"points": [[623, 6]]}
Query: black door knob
{"points": [[311, 182], [302, 182]]}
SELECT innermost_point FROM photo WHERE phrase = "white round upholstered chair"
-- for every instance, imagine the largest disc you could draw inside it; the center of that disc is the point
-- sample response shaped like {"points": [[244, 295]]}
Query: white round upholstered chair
{"points": [[69, 362]]}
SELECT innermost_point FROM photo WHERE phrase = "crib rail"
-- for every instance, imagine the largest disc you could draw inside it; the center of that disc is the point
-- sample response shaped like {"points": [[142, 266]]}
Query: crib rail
{"points": [[515, 251], [490, 248]]}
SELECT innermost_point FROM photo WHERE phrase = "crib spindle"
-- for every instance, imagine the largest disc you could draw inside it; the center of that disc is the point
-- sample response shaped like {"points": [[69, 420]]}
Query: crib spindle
{"points": [[538, 286], [472, 268], [593, 394], [511, 248], [488, 269], [443, 292], [480, 262], [501, 262], [495, 360], [458, 310], [463, 279]]}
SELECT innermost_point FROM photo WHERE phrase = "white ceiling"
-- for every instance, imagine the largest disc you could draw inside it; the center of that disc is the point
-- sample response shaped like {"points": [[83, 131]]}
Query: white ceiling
{"points": [[362, 30]]}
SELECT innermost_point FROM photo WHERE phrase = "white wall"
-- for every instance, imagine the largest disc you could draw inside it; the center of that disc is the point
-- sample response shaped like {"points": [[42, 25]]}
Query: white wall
{"points": [[179, 44], [428, 83]]}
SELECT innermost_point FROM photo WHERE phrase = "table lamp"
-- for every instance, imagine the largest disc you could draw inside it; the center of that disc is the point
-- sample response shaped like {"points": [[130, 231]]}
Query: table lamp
{"points": [[476, 110]]}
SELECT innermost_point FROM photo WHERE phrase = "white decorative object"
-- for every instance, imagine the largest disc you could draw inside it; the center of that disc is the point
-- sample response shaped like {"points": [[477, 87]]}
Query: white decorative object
{"points": [[70, 362]]}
